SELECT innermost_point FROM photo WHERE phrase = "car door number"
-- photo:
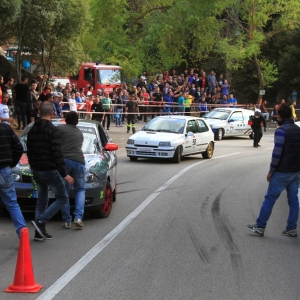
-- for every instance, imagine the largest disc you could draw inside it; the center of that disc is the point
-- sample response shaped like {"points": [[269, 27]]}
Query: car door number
{"points": [[194, 143]]}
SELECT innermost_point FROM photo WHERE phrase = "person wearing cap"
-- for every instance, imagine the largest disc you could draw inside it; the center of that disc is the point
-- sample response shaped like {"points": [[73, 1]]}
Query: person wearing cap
{"points": [[257, 120], [56, 103], [106, 102]]}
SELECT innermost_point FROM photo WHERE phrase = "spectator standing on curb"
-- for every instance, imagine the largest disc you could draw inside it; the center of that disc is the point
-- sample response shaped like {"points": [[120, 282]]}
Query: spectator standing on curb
{"points": [[72, 139], [106, 103], [97, 108], [31, 99], [48, 168], [264, 111], [232, 101], [294, 115], [284, 173], [131, 109], [21, 102], [11, 151], [4, 110]]}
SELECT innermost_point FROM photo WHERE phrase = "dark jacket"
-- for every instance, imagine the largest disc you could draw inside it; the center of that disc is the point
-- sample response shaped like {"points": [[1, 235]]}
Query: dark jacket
{"points": [[256, 122], [290, 156], [31, 99], [44, 147], [11, 149]]}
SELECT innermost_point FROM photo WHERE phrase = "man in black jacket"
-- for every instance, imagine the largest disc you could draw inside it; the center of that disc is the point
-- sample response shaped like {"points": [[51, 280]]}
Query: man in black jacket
{"points": [[48, 167], [11, 151], [257, 120]]}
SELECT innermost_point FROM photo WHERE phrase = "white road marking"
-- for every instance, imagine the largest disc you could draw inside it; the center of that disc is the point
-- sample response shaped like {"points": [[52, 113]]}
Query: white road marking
{"points": [[60, 283]]}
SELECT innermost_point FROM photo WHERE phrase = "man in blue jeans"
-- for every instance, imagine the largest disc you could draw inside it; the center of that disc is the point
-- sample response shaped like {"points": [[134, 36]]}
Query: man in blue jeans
{"points": [[284, 173], [72, 139], [48, 167], [11, 151]]}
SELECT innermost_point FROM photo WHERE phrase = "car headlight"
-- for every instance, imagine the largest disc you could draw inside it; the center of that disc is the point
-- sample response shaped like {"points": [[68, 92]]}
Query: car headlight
{"points": [[130, 141], [165, 144], [90, 177], [16, 177]]}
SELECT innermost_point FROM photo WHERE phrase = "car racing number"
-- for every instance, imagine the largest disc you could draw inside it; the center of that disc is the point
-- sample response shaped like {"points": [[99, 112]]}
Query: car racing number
{"points": [[194, 143]]}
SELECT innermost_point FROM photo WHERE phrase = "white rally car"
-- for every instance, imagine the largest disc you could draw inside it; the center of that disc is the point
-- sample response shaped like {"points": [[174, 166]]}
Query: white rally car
{"points": [[229, 122], [172, 137]]}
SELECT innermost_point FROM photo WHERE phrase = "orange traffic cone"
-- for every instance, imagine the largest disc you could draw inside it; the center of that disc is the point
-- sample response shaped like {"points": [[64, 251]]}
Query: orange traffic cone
{"points": [[24, 278]]}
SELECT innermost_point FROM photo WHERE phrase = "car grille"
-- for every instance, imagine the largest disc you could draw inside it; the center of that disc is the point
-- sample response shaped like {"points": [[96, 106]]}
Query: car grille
{"points": [[26, 179], [145, 146], [146, 153]]}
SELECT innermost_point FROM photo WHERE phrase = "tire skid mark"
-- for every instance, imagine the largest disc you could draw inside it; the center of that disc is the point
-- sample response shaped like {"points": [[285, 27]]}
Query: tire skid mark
{"points": [[204, 207], [222, 227], [199, 249], [254, 216]]}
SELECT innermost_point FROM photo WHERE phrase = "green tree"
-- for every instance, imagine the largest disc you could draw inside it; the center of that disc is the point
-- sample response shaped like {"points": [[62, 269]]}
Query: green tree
{"points": [[250, 24]]}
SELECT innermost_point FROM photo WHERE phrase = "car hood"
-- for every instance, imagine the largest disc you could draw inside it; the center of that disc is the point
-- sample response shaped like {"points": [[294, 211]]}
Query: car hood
{"points": [[94, 163], [153, 136], [214, 121]]}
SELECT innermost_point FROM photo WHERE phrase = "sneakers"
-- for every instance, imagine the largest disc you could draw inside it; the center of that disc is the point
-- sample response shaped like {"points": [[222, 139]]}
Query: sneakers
{"points": [[257, 230], [67, 225], [290, 233], [78, 223], [38, 237]]}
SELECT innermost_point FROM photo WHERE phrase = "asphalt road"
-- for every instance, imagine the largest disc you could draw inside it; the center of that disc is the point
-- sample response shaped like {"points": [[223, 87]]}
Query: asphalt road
{"points": [[177, 231]]}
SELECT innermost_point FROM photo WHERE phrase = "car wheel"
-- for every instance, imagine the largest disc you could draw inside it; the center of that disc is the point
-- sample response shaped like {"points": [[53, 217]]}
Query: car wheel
{"points": [[219, 134], [133, 158], [105, 208], [251, 135], [209, 151], [177, 155]]}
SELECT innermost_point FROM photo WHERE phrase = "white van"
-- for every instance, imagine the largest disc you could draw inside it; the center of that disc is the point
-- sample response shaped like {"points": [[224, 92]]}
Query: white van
{"points": [[229, 122], [55, 81]]}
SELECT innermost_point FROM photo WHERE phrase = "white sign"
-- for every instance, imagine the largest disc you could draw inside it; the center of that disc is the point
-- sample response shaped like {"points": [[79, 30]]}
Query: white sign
{"points": [[262, 92]]}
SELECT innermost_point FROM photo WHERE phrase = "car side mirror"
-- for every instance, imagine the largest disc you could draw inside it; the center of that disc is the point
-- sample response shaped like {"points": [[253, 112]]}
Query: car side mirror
{"points": [[111, 147], [190, 133], [231, 120]]}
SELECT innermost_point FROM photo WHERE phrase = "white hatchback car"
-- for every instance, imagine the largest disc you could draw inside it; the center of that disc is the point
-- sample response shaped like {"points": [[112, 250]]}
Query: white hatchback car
{"points": [[229, 122], [172, 137]]}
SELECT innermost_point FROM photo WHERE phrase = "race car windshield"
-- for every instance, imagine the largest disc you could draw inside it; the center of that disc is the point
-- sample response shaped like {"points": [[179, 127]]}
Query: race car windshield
{"points": [[165, 125], [90, 144], [109, 76], [217, 114]]}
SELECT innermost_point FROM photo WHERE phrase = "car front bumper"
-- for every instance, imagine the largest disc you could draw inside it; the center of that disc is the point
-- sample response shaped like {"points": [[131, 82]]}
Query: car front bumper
{"points": [[147, 152]]}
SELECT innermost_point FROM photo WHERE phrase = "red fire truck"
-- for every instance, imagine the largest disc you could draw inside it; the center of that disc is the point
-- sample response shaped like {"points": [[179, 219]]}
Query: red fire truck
{"points": [[99, 76]]}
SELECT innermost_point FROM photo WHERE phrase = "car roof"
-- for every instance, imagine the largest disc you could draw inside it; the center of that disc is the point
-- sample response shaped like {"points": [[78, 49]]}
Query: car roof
{"points": [[232, 109], [86, 123], [178, 117]]}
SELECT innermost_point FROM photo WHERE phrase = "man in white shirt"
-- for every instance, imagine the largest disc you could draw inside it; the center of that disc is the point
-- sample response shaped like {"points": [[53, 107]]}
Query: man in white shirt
{"points": [[72, 102], [4, 110]]}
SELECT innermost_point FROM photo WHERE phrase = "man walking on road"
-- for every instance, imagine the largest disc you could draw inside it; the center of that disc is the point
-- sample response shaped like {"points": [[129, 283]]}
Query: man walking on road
{"points": [[11, 151], [284, 173], [72, 139], [48, 167]]}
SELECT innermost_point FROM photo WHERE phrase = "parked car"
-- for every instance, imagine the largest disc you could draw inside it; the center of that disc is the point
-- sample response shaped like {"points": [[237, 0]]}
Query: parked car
{"points": [[100, 172], [55, 81], [172, 137], [229, 122]]}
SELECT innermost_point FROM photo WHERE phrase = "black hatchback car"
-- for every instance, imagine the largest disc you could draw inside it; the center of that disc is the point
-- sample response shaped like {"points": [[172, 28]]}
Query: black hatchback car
{"points": [[100, 172]]}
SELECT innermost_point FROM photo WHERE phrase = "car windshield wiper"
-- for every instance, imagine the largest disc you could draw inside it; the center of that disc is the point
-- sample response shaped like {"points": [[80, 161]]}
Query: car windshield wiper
{"points": [[148, 129], [166, 130]]}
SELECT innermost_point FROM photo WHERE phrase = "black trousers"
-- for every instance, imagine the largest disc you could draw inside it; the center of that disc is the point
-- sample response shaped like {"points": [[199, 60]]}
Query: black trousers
{"points": [[107, 117], [257, 135]]}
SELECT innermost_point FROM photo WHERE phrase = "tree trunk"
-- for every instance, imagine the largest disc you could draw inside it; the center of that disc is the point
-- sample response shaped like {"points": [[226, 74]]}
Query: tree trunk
{"points": [[260, 77]]}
